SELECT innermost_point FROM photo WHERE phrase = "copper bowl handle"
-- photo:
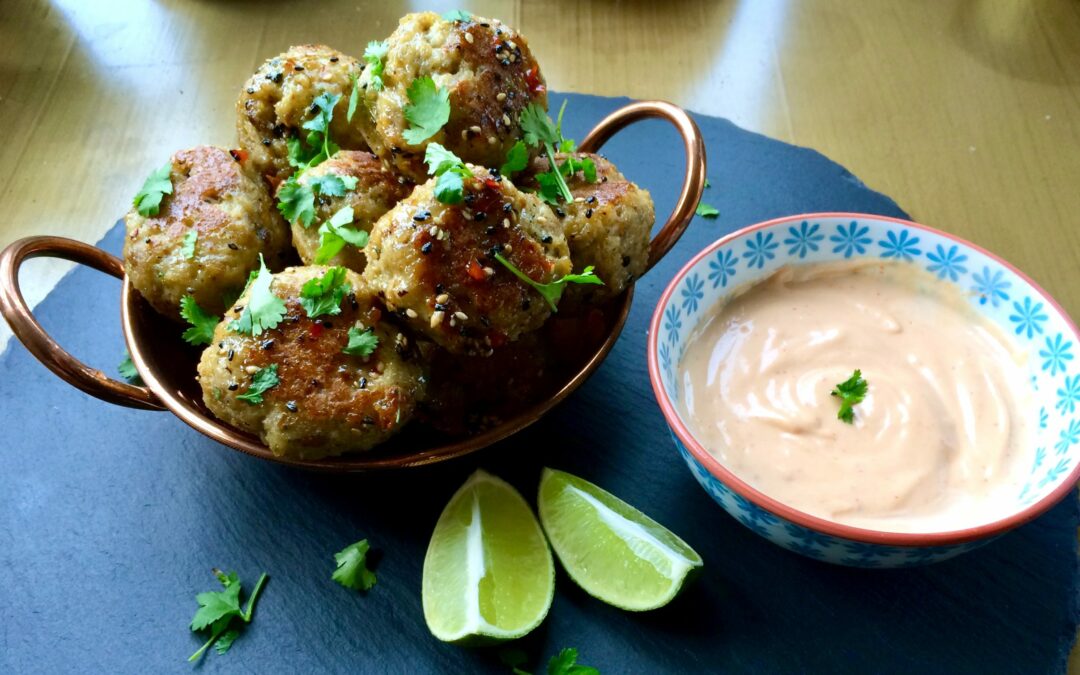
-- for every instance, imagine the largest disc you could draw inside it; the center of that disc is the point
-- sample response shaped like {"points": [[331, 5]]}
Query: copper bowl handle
{"points": [[39, 343], [693, 180]]}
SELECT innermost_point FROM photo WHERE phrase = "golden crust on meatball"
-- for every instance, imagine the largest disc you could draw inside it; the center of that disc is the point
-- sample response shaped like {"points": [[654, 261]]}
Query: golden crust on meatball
{"points": [[434, 263], [235, 220], [326, 402], [277, 100], [377, 190], [489, 72], [608, 225]]}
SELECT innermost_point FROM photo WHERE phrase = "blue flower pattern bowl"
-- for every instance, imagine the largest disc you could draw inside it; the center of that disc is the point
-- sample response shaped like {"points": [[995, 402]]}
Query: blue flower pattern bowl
{"points": [[997, 290]]}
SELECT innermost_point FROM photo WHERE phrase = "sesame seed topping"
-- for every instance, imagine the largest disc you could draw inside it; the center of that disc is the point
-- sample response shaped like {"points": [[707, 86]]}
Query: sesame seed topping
{"points": [[488, 272], [461, 316], [506, 222], [506, 119], [469, 38], [475, 129], [442, 298], [492, 140], [501, 96], [437, 318], [507, 248], [411, 313], [251, 370]]}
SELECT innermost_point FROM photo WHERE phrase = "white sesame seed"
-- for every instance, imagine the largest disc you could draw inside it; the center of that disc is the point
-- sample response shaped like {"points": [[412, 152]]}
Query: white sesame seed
{"points": [[579, 200], [510, 44], [488, 272], [411, 313], [541, 219], [437, 318], [251, 370], [469, 38], [501, 96], [507, 248], [492, 140], [506, 119], [506, 222], [461, 316], [453, 322], [442, 299], [475, 129]]}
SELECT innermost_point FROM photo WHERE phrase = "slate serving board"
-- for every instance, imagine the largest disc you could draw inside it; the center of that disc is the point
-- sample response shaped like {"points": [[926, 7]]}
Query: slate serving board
{"points": [[110, 519]]}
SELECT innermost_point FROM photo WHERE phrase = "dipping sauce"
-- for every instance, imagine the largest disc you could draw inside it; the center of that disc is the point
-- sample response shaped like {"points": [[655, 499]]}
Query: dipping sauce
{"points": [[933, 444]]}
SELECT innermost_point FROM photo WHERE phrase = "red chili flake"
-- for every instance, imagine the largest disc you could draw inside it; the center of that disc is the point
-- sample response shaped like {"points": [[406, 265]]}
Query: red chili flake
{"points": [[239, 155], [532, 78], [316, 330], [475, 270], [491, 183]]}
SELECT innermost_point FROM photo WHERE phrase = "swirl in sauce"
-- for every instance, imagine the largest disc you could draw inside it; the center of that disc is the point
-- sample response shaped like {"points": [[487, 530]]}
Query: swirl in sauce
{"points": [[933, 444]]}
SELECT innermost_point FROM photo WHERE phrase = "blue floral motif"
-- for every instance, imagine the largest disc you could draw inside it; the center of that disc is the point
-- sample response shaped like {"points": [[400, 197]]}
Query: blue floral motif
{"points": [[991, 288], [852, 240], [901, 247], [864, 550], [1068, 437], [757, 526], [722, 267], [672, 323], [1055, 472], [1069, 395], [804, 239], [1040, 455], [1056, 354], [946, 264], [1028, 317], [665, 363], [752, 512], [760, 249], [1044, 417], [692, 293], [1023, 492], [808, 537]]}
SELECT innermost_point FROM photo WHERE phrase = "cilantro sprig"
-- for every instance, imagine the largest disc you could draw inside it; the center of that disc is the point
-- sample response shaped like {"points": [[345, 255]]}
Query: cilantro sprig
{"points": [[219, 610], [201, 330], [323, 295], [262, 381], [457, 15], [335, 233], [264, 310], [362, 342], [354, 98], [553, 291], [516, 159], [706, 210], [851, 392], [563, 663], [374, 55], [541, 131], [427, 111], [127, 370], [451, 173], [158, 184], [352, 570]]}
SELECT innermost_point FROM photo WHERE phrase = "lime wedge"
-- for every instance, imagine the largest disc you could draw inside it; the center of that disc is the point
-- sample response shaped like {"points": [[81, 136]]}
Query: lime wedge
{"points": [[488, 573], [609, 548]]}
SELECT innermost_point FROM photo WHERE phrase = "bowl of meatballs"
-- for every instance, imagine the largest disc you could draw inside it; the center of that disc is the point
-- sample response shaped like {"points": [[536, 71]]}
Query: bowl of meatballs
{"points": [[401, 261]]}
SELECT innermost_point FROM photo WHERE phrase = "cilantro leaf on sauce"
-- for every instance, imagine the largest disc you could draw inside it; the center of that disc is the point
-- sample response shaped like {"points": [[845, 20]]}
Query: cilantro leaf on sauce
{"points": [[851, 392]]}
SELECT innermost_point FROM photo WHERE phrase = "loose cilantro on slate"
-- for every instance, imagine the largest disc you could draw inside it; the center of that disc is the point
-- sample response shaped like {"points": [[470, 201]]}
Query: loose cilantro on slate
{"points": [[352, 571], [706, 210], [127, 370], [428, 110], [218, 611], [158, 184]]}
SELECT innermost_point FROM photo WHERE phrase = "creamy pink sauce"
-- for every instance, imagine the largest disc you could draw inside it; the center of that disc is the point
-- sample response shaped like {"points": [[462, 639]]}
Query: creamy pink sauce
{"points": [[934, 443]]}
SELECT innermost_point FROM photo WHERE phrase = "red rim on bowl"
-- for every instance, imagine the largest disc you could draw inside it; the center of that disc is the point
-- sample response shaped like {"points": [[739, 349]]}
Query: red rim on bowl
{"points": [[806, 520]]}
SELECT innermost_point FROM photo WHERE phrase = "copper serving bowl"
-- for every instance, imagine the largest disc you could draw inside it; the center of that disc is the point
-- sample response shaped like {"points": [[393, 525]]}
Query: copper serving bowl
{"points": [[167, 365]]}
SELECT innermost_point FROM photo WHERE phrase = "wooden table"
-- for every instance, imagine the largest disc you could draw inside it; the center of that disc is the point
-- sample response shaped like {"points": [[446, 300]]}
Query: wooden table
{"points": [[965, 111]]}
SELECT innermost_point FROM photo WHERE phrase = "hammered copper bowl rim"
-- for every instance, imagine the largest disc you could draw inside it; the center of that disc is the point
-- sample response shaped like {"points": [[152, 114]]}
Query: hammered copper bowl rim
{"points": [[157, 395]]}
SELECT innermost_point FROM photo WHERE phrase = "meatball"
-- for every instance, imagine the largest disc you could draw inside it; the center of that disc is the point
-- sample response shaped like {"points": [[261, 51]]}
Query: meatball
{"points": [[607, 225], [326, 402], [377, 190], [490, 75], [435, 263], [233, 220], [278, 98]]}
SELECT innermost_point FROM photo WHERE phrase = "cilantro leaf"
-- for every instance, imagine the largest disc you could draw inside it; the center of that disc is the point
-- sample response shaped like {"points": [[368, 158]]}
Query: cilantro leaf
{"points": [[516, 160], [262, 381], [296, 201], [319, 125], [362, 342], [324, 295], [554, 290], [333, 235], [352, 571], [264, 310], [218, 609], [128, 371], [187, 249], [202, 322], [707, 183], [706, 210], [332, 185], [537, 126], [541, 131], [158, 184], [300, 155], [851, 392], [374, 55], [565, 663], [428, 110], [354, 97], [450, 186], [457, 15]]}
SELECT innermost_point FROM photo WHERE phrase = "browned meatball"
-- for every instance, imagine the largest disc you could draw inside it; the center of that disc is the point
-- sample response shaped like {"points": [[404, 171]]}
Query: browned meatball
{"points": [[326, 402], [434, 263], [233, 218], [276, 101], [607, 225], [489, 72], [377, 190]]}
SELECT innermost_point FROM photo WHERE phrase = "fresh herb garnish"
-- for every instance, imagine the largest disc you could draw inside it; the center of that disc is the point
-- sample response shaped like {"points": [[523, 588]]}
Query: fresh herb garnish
{"points": [[516, 159], [374, 55], [428, 110], [334, 234], [457, 15], [128, 371], [541, 131], [451, 172], [554, 290], [706, 210], [158, 184], [187, 248], [332, 185], [707, 183], [296, 200], [565, 663], [324, 295], [362, 342], [851, 392], [319, 125], [264, 310], [354, 97], [352, 571], [218, 609], [202, 322], [262, 381]]}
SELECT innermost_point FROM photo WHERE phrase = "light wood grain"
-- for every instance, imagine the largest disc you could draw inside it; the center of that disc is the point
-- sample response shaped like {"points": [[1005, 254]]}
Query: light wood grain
{"points": [[965, 111]]}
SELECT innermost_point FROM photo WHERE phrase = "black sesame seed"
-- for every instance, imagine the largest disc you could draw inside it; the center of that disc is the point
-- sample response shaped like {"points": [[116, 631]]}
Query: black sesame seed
{"points": [[591, 200], [291, 405], [369, 420], [328, 324], [508, 207], [588, 213], [490, 229], [232, 353], [439, 307], [479, 215], [333, 59], [221, 345], [547, 239], [267, 141], [626, 261], [234, 386], [314, 382], [352, 300], [560, 213], [251, 90], [233, 246], [426, 248], [362, 384], [298, 69], [439, 289], [421, 216]]}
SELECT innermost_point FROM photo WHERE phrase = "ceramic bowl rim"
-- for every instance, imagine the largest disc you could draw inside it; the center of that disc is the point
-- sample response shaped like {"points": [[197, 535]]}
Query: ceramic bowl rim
{"points": [[763, 501]]}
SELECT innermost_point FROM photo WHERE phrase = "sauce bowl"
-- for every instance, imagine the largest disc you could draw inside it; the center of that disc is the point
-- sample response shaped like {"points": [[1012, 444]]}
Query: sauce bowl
{"points": [[168, 366], [1045, 336]]}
